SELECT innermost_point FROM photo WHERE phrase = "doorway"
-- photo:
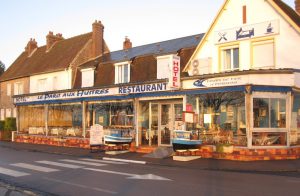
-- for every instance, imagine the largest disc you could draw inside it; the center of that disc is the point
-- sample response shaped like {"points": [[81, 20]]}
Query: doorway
{"points": [[163, 119]]}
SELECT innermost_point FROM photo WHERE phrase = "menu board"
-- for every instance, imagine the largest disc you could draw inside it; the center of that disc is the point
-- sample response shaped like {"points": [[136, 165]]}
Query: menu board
{"points": [[96, 135]]}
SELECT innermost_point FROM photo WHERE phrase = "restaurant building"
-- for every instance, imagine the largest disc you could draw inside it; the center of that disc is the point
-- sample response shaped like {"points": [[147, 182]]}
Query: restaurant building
{"points": [[237, 85]]}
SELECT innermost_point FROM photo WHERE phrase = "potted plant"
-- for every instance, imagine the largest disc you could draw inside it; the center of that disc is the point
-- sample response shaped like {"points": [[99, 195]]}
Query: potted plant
{"points": [[224, 148]]}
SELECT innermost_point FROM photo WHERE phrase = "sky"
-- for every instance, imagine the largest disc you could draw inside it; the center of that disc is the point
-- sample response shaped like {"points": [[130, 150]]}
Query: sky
{"points": [[143, 21]]}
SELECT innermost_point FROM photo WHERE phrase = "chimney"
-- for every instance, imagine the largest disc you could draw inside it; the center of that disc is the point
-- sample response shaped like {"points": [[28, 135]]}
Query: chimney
{"points": [[297, 6], [97, 39], [52, 39], [31, 46], [127, 43]]}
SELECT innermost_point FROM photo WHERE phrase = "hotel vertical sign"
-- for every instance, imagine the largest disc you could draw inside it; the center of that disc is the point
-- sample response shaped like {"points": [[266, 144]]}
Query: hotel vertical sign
{"points": [[174, 80]]}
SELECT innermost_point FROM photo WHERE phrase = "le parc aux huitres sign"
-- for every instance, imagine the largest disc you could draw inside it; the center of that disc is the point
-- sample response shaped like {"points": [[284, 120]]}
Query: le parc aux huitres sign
{"points": [[122, 90]]}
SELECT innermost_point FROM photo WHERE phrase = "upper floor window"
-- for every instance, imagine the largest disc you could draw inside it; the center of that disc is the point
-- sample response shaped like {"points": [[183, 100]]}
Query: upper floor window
{"points": [[122, 73], [163, 67], [87, 77], [18, 88], [263, 54], [230, 58], [8, 89], [42, 85]]}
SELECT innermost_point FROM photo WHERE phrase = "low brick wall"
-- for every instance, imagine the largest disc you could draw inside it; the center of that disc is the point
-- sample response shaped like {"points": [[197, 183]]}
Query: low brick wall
{"points": [[243, 154], [65, 142]]}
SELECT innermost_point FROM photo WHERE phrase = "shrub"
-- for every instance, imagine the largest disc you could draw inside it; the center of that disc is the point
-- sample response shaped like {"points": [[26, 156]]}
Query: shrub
{"points": [[2, 125], [9, 126]]}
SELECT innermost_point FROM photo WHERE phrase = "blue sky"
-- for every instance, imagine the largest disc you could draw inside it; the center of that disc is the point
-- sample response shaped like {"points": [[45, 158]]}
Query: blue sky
{"points": [[143, 21]]}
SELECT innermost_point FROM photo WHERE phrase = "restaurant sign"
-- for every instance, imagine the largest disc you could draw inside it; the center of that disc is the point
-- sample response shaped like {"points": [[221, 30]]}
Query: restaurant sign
{"points": [[124, 90], [247, 32]]}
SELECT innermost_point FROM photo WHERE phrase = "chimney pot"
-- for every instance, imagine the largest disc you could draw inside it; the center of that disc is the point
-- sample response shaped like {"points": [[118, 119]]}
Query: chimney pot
{"points": [[297, 6], [31, 46], [97, 39], [127, 44], [52, 39]]}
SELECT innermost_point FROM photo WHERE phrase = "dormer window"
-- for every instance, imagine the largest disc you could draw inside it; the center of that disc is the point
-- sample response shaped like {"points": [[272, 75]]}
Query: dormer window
{"points": [[122, 72], [87, 77], [163, 66]]}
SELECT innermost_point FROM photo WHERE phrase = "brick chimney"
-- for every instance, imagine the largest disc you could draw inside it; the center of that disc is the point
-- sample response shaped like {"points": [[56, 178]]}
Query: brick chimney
{"points": [[297, 6], [31, 46], [97, 39], [127, 43], [52, 39]]}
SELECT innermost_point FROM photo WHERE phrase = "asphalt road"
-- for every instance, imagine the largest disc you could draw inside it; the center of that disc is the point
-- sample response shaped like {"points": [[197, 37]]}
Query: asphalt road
{"points": [[52, 174]]}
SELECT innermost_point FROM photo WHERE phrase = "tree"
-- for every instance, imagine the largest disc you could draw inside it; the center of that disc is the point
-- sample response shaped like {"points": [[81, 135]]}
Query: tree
{"points": [[2, 67]]}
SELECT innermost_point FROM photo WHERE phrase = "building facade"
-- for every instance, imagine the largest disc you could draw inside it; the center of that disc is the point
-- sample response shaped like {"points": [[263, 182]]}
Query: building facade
{"points": [[237, 84]]}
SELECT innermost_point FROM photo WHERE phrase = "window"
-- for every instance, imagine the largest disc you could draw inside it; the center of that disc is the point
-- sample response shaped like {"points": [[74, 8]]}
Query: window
{"points": [[122, 73], [263, 54], [8, 113], [269, 113], [8, 88], [15, 112], [230, 59], [163, 69], [55, 83], [2, 114], [87, 77], [41, 85], [18, 88]]}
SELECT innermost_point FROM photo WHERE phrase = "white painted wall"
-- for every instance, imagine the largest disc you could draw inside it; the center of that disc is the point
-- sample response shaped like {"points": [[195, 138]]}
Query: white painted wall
{"points": [[63, 81], [258, 11]]}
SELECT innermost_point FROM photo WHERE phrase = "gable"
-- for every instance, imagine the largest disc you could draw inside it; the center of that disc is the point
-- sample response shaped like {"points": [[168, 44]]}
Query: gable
{"points": [[258, 13]]}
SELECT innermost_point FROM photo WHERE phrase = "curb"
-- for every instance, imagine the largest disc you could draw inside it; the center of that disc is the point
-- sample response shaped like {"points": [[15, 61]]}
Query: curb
{"points": [[124, 160]]}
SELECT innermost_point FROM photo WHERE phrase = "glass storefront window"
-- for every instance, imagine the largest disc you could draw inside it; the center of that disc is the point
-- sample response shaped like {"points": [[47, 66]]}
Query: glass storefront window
{"points": [[32, 120], [295, 121], [222, 117], [269, 139], [117, 114], [269, 113], [65, 120]]}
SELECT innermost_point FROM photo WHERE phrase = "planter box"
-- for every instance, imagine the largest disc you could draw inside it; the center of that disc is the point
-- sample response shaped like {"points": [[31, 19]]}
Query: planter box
{"points": [[228, 149]]}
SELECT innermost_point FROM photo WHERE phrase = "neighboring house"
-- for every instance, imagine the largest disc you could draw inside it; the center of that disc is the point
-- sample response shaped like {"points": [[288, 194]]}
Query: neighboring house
{"points": [[249, 61], [50, 67]]}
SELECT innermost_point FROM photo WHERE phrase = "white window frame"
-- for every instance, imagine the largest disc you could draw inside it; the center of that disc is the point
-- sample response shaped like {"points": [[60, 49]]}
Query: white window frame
{"points": [[259, 43], [83, 77], [166, 69], [18, 88], [8, 89], [119, 72], [44, 88], [8, 111], [2, 114], [231, 48]]}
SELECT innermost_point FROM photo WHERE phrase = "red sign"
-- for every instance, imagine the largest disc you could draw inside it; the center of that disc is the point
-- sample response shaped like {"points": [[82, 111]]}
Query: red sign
{"points": [[174, 80]]}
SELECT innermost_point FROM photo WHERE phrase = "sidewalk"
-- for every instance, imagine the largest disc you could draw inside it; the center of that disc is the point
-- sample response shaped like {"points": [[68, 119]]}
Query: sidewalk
{"points": [[202, 164], [7, 190]]}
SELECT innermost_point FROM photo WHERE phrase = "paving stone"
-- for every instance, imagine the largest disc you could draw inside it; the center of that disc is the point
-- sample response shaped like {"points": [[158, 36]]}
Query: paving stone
{"points": [[16, 193]]}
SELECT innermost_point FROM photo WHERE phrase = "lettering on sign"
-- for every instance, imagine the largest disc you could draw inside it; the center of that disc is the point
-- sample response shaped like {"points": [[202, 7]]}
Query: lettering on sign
{"points": [[174, 80]]}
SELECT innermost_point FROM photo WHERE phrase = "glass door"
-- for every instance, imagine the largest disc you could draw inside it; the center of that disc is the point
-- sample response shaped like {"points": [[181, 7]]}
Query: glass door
{"points": [[153, 124], [166, 124]]}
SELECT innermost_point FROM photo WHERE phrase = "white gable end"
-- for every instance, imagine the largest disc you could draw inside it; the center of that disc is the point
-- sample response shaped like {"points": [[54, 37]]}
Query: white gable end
{"points": [[266, 40]]}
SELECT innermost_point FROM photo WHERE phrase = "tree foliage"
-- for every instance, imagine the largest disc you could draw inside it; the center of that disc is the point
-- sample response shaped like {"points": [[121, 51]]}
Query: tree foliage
{"points": [[2, 67]]}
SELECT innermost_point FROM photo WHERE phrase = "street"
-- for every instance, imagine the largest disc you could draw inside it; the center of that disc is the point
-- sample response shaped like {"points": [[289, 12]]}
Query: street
{"points": [[54, 174]]}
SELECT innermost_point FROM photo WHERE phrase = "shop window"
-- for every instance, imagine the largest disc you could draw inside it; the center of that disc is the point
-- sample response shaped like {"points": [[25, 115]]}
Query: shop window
{"points": [[269, 113], [18, 88], [117, 114], [8, 89], [263, 54], [295, 121], [65, 120], [222, 117], [269, 139], [230, 59], [122, 73], [32, 120], [87, 77]]}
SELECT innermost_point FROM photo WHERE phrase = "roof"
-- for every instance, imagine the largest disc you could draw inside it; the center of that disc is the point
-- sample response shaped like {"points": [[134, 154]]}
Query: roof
{"points": [[159, 48], [58, 58], [144, 65], [289, 11]]}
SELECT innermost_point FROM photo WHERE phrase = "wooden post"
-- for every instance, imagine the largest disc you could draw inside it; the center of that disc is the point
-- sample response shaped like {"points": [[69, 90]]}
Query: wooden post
{"points": [[17, 119], [46, 108], [83, 118], [136, 122], [248, 108]]}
